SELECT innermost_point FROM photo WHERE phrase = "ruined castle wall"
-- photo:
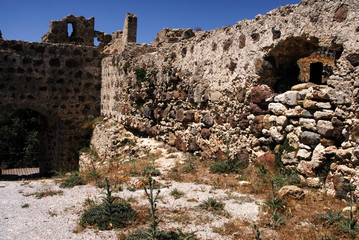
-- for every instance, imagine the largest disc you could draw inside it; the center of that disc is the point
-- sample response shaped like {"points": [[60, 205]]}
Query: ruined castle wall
{"points": [[62, 83], [241, 83]]}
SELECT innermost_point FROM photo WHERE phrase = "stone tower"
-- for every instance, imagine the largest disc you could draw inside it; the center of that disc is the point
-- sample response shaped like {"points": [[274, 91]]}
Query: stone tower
{"points": [[130, 29]]}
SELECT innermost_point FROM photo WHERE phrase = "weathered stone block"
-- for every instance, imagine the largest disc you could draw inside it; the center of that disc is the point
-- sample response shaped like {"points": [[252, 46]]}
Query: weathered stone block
{"points": [[277, 108], [289, 98], [310, 138], [325, 128]]}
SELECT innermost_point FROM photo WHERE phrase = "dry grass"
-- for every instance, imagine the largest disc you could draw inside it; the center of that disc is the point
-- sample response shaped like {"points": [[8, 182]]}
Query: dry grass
{"points": [[301, 216]]}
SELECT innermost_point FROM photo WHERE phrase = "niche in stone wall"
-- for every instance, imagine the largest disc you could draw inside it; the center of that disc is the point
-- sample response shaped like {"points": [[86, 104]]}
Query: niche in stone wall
{"points": [[297, 60]]}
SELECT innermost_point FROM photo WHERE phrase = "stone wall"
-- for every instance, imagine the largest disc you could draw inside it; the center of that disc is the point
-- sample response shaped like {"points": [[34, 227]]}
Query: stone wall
{"points": [[82, 31], [121, 39], [242, 83], [62, 83]]}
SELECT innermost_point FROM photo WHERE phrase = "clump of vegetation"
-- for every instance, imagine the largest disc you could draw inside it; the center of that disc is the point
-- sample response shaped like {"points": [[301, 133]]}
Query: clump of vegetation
{"points": [[47, 193], [126, 66], [257, 233], [111, 213], [26, 205], [153, 233], [151, 171], [141, 75], [231, 164], [331, 217], [176, 193], [212, 204], [73, 180], [276, 208]]}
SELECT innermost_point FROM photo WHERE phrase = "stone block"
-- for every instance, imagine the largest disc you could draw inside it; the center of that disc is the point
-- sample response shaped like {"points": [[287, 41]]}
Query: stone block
{"points": [[325, 114], [288, 98], [291, 191], [304, 154], [325, 128], [277, 108], [310, 138], [308, 123]]}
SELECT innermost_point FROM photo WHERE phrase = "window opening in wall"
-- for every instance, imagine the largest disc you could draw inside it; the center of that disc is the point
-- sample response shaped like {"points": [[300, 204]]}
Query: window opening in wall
{"points": [[70, 29], [316, 71]]}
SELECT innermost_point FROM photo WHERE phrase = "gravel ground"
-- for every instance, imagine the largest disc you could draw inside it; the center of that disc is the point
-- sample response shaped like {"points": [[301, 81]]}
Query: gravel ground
{"points": [[51, 217], [56, 217]]}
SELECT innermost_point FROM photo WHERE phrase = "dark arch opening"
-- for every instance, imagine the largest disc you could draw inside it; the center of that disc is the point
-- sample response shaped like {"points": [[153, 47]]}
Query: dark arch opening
{"points": [[316, 71], [21, 141], [280, 69]]}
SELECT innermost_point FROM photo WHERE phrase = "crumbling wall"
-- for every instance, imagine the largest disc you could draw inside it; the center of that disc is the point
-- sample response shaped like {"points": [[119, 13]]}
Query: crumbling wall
{"points": [[62, 83], [121, 39], [232, 84], [82, 31]]}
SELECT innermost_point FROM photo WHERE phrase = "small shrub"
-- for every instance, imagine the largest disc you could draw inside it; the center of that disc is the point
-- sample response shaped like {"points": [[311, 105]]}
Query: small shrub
{"points": [[212, 204], [141, 74], [47, 193], [26, 205], [126, 66], [176, 193], [151, 171], [257, 233], [228, 166], [349, 224], [109, 214], [93, 175], [276, 208], [73, 180], [330, 217], [285, 176]]}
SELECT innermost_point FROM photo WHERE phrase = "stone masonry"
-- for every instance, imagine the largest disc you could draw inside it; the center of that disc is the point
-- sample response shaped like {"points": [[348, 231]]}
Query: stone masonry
{"points": [[59, 81], [290, 76]]}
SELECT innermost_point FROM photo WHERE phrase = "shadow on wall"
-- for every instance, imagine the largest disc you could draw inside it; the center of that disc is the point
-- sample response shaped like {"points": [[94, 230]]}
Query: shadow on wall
{"points": [[297, 60]]}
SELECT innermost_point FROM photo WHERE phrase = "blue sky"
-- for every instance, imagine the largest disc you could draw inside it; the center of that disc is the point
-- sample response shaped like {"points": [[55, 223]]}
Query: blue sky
{"points": [[29, 19]]}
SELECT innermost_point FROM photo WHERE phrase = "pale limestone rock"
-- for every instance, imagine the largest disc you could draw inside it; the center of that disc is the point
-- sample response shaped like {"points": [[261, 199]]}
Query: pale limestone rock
{"points": [[302, 86], [277, 108], [309, 104], [318, 156], [281, 121], [324, 105], [344, 154], [313, 182], [308, 123], [306, 147], [298, 111], [289, 158], [293, 139], [330, 150], [325, 128], [325, 114], [291, 192], [275, 133], [319, 92], [306, 168], [288, 98], [304, 154]]}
